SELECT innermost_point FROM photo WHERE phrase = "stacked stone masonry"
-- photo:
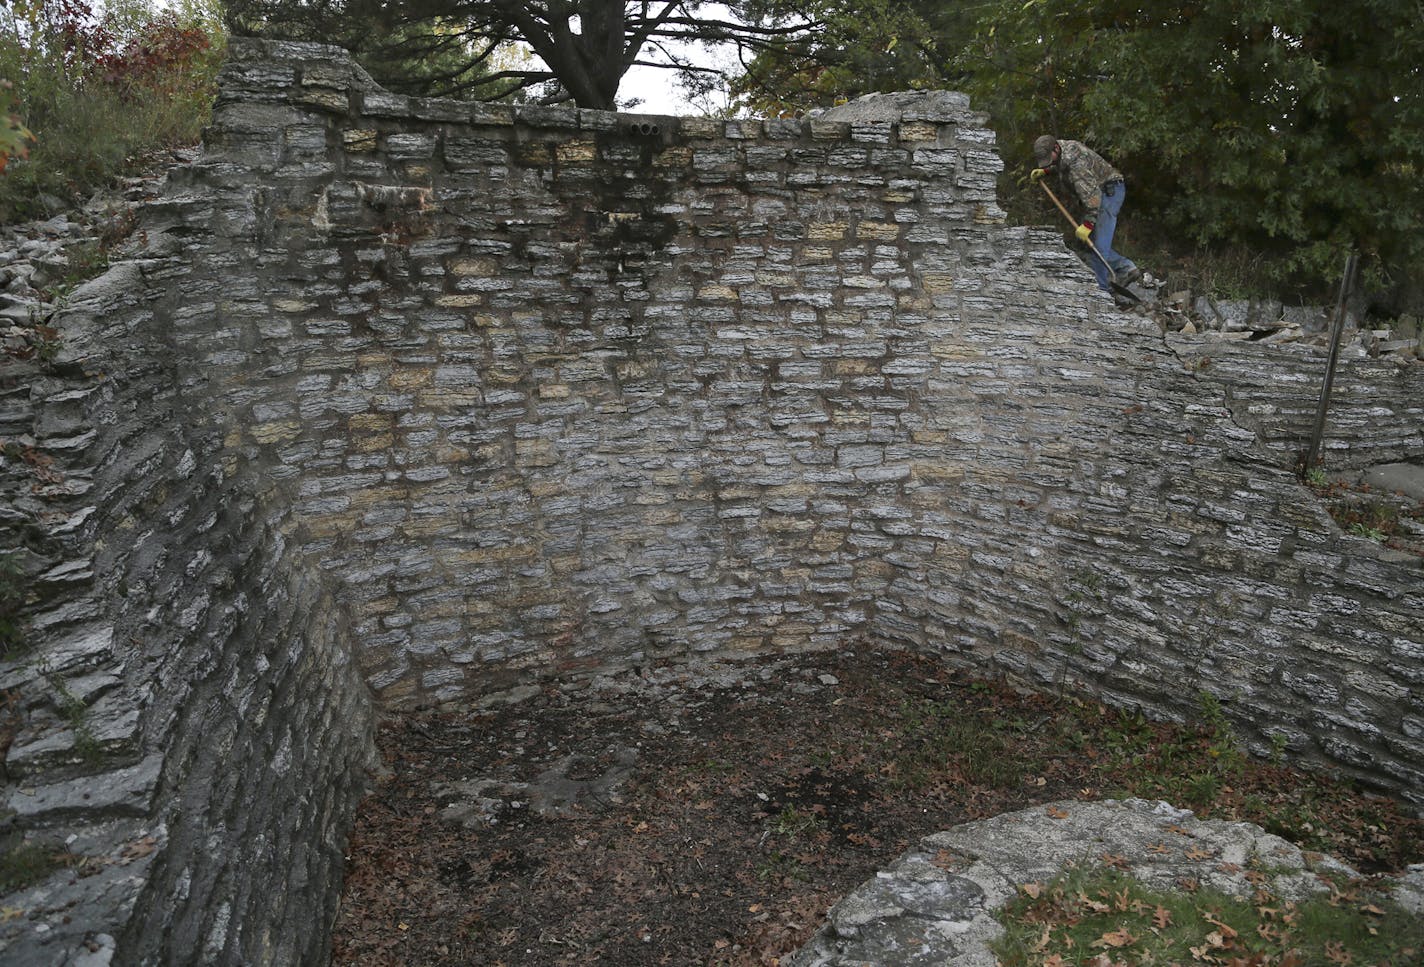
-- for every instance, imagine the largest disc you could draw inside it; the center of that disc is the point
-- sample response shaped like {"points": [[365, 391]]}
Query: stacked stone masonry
{"points": [[411, 400]]}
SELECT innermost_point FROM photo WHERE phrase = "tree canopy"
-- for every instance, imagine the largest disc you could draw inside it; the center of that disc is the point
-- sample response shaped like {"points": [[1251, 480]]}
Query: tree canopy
{"points": [[453, 47], [874, 45], [1292, 127], [1289, 129]]}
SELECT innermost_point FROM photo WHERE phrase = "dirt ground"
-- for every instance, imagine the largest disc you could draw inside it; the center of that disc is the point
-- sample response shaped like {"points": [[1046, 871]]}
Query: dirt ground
{"points": [[666, 816]]}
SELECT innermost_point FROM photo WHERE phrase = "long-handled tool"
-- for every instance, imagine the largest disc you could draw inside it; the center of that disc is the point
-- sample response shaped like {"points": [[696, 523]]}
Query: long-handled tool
{"points": [[1111, 274]]}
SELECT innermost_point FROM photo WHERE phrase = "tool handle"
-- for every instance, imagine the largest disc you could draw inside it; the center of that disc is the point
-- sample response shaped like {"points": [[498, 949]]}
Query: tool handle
{"points": [[1071, 221]]}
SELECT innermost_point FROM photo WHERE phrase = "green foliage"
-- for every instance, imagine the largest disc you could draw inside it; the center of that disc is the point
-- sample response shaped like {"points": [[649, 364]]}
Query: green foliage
{"points": [[76, 713], [1390, 519], [792, 822], [1090, 909], [1261, 141], [940, 738], [25, 864], [1290, 128], [877, 45], [12, 596], [429, 51], [98, 93], [461, 48]]}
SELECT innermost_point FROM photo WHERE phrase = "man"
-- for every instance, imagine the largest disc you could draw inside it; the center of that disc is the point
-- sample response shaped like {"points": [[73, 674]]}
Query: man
{"points": [[1099, 187]]}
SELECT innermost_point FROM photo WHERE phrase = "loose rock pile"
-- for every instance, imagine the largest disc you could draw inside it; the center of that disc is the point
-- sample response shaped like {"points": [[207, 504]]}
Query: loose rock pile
{"points": [[1273, 322]]}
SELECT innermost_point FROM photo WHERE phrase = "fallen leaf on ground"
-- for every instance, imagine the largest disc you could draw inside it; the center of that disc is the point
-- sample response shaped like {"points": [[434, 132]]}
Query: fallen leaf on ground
{"points": [[139, 848], [1093, 905], [1115, 938], [1336, 953], [1227, 930]]}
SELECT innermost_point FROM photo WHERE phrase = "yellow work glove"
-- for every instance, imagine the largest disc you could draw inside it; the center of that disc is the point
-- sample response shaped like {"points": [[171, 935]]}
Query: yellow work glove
{"points": [[1084, 230], [1037, 174]]}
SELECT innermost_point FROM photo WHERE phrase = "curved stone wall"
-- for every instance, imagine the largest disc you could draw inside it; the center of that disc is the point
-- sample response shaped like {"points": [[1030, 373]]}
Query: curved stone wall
{"points": [[412, 400]]}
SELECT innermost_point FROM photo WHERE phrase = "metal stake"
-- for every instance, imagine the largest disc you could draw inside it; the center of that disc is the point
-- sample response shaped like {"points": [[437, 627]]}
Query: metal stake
{"points": [[1339, 325]]}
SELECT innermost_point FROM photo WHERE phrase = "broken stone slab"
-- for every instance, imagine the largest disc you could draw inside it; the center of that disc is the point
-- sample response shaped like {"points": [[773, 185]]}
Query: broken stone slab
{"points": [[122, 792], [936, 904], [89, 647], [1401, 478], [1284, 335]]}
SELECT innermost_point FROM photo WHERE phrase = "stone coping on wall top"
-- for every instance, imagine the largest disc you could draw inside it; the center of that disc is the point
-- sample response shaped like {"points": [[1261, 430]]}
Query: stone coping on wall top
{"points": [[316, 72]]}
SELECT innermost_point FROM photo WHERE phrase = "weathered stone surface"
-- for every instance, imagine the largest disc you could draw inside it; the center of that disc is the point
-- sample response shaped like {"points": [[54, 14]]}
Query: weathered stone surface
{"points": [[407, 402], [936, 904]]}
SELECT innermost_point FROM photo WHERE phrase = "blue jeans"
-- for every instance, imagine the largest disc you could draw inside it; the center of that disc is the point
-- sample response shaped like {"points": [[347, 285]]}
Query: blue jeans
{"points": [[1110, 203]]}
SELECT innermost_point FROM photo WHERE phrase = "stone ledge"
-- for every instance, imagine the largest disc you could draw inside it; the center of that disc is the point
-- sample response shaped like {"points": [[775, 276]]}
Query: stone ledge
{"points": [[936, 904]]}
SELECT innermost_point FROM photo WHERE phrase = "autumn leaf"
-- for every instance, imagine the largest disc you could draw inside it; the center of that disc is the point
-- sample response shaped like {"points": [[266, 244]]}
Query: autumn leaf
{"points": [[1032, 890], [1197, 853], [1226, 930], [1115, 938], [1114, 860], [1161, 918], [1093, 905], [945, 859], [1159, 848], [1055, 813], [139, 848], [1336, 953]]}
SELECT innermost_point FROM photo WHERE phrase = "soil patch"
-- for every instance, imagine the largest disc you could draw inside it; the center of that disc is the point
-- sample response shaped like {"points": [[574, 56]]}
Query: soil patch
{"points": [[712, 815]]}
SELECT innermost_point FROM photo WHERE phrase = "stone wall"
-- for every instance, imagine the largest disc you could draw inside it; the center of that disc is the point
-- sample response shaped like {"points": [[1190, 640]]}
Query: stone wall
{"points": [[417, 400], [183, 716], [549, 392]]}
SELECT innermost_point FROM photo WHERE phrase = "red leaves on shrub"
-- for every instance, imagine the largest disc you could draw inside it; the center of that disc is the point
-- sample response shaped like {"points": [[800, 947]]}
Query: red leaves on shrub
{"points": [[156, 58]]}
